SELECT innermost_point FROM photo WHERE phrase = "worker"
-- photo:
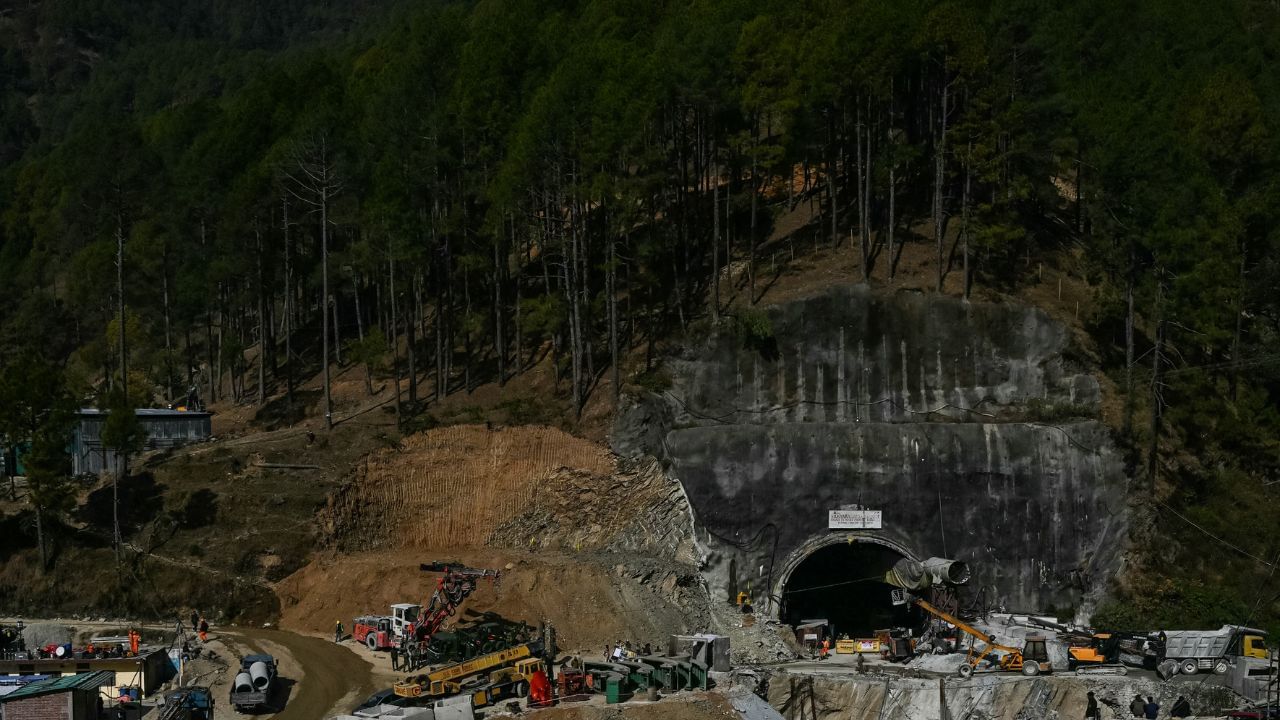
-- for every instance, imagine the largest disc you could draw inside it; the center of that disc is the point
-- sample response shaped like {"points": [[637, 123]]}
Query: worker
{"points": [[860, 664], [826, 646], [1151, 710], [204, 630], [395, 658], [607, 654], [195, 620], [134, 637], [1138, 706], [1091, 711], [1181, 708], [337, 631]]}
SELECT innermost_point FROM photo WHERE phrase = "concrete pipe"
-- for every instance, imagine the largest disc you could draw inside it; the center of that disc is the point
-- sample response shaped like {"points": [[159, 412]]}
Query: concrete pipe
{"points": [[258, 671], [947, 572], [243, 683]]}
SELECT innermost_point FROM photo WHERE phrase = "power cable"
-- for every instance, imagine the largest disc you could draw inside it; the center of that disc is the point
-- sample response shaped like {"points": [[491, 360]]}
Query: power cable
{"points": [[824, 587], [1237, 548]]}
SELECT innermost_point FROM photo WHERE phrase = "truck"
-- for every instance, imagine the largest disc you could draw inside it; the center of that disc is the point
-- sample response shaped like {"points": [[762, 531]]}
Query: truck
{"points": [[506, 674], [374, 632], [253, 685], [1196, 650]]}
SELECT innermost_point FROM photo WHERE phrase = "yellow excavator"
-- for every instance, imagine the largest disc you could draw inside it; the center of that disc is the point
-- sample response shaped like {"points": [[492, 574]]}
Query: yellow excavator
{"points": [[1031, 659]]}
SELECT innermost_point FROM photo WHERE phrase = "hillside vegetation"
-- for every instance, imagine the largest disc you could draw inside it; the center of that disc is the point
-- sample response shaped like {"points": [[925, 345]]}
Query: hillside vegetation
{"points": [[229, 199]]}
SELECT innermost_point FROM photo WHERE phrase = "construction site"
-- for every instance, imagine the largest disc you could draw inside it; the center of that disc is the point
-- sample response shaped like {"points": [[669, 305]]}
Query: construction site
{"points": [[770, 536]]}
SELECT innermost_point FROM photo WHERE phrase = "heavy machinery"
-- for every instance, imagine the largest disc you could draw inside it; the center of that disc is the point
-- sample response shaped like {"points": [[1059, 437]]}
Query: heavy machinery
{"points": [[486, 678], [374, 632], [1196, 650], [1031, 659], [415, 625], [252, 687], [1108, 652], [188, 703]]}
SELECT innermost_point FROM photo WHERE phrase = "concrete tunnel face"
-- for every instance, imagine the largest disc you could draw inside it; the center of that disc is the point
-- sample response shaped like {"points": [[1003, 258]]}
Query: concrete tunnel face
{"points": [[841, 580]]}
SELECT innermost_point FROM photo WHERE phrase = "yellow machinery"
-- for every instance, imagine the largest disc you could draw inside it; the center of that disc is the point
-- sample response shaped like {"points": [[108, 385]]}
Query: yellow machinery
{"points": [[501, 665], [1032, 659]]}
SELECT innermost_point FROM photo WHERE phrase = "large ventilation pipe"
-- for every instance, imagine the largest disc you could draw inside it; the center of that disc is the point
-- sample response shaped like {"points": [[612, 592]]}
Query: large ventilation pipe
{"points": [[243, 683], [258, 671], [947, 572], [915, 575]]}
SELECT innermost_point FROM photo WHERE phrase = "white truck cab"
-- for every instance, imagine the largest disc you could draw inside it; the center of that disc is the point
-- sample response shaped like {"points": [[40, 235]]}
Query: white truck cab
{"points": [[404, 616]]}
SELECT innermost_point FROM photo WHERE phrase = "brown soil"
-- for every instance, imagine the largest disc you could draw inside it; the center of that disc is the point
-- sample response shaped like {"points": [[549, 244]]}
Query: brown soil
{"points": [[587, 603], [451, 487]]}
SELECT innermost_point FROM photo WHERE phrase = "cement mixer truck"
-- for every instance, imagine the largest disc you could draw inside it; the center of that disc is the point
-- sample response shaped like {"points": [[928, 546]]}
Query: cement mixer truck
{"points": [[252, 686]]}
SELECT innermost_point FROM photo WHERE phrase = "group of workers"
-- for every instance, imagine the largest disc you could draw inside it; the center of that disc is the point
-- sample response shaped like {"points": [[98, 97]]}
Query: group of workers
{"points": [[1147, 709], [623, 651], [200, 625]]}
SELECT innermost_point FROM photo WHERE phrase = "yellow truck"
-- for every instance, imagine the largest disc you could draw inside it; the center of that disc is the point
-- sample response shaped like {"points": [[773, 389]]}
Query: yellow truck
{"points": [[506, 672]]}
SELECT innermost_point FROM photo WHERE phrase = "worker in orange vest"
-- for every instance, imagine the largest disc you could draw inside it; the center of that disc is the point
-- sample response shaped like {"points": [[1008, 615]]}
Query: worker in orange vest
{"points": [[134, 637], [826, 646], [204, 630]]}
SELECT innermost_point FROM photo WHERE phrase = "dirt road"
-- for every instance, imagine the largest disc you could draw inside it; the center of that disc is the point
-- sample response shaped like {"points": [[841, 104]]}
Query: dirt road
{"points": [[318, 679]]}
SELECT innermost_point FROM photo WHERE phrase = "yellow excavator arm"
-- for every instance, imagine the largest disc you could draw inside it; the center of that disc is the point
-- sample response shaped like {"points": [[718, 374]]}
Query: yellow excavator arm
{"points": [[1012, 658]]}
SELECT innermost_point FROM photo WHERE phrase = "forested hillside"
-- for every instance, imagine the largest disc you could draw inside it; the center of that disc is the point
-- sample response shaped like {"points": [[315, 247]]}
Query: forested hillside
{"points": [[217, 196]]}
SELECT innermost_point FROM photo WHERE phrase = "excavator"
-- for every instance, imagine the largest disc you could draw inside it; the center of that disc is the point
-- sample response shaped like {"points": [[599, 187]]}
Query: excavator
{"points": [[1031, 659]]}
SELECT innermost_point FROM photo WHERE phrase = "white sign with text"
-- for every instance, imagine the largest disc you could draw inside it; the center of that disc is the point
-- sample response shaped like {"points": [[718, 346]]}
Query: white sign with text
{"points": [[853, 519]]}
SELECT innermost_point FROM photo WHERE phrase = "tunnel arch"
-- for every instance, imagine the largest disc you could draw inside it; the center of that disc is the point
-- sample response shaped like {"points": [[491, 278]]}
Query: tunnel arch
{"points": [[840, 557]]}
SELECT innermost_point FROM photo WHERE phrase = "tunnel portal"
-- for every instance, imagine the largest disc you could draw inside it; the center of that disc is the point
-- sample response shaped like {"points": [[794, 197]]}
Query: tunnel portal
{"points": [[844, 584]]}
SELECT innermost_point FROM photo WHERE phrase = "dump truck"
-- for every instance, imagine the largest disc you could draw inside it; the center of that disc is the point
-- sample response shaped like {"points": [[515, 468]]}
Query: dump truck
{"points": [[1197, 650], [252, 687]]}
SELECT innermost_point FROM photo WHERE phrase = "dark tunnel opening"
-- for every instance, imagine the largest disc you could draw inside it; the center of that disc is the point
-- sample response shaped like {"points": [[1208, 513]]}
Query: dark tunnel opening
{"points": [[844, 584]]}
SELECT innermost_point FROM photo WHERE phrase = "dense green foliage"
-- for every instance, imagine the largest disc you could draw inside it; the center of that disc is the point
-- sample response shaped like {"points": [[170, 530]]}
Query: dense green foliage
{"points": [[503, 178]]}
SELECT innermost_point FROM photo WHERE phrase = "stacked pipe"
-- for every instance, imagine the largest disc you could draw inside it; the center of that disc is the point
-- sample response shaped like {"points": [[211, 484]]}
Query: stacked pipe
{"points": [[243, 683], [258, 674]]}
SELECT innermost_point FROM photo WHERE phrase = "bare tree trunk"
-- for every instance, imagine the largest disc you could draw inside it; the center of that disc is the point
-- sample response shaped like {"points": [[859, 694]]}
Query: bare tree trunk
{"points": [[1233, 379], [940, 167], [44, 555], [611, 280], [355, 294], [751, 239], [324, 295], [964, 225], [288, 306], [499, 339], [262, 322], [715, 244], [892, 189], [1157, 396], [1128, 350], [168, 326], [124, 384]]}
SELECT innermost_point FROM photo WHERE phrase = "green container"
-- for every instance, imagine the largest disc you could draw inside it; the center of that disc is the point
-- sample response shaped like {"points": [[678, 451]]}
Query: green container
{"points": [[613, 690]]}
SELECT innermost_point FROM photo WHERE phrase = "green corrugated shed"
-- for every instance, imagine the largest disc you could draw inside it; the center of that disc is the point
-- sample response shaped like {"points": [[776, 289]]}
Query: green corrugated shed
{"points": [[79, 681]]}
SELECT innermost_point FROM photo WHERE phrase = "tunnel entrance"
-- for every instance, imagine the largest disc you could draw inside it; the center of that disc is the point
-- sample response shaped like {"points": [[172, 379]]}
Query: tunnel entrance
{"points": [[844, 584]]}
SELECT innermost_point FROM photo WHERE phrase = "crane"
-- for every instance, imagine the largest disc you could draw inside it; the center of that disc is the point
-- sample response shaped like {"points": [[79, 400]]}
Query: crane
{"points": [[1032, 659]]}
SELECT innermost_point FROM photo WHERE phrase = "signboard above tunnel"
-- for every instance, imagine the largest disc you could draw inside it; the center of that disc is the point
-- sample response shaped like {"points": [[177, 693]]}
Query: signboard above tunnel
{"points": [[853, 519]]}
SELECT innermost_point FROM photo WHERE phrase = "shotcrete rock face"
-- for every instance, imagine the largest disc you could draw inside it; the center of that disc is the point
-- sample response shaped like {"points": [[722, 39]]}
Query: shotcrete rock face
{"points": [[916, 406]]}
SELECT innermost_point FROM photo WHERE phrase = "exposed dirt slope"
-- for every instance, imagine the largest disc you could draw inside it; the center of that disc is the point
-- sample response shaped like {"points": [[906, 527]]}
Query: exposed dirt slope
{"points": [[603, 553], [588, 602], [451, 487]]}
